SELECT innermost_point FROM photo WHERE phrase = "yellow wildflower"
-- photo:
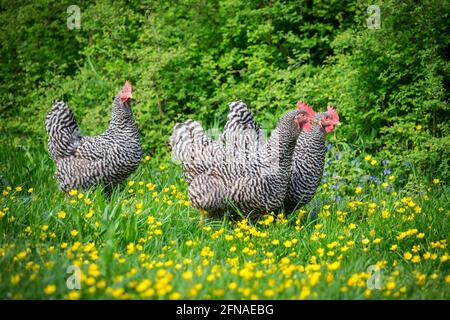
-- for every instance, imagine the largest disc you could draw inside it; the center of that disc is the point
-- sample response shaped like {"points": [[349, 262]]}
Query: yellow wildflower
{"points": [[187, 275], [50, 289]]}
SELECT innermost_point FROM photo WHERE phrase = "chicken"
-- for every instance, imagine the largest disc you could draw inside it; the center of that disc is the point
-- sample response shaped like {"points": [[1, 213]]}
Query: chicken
{"points": [[309, 160], [309, 154], [218, 177], [86, 161]]}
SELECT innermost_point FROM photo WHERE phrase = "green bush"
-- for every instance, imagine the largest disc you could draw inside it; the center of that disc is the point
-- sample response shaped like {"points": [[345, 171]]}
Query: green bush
{"points": [[190, 58]]}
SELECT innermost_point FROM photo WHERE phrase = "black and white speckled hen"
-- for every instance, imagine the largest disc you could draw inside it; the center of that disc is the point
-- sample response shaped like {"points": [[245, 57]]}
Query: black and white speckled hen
{"points": [[309, 154], [308, 161], [254, 182], [85, 161]]}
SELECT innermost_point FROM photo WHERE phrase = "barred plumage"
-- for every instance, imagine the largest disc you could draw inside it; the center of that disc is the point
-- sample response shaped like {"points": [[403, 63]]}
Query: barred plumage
{"points": [[219, 177], [307, 167], [85, 161], [194, 149], [242, 133], [309, 154]]}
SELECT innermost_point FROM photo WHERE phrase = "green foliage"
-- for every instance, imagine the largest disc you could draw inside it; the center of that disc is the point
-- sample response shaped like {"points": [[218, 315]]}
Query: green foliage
{"points": [[390, 85], [190, 58], [146, 242], [36, 46]]}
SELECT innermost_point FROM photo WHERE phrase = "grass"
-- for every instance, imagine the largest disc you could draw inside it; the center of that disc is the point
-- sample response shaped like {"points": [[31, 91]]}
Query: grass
{"points": [[147, 242]]}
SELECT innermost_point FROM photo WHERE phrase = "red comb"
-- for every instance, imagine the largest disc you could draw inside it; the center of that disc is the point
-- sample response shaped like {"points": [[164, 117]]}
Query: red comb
{"points": [[308, 109], [126, 91], [333, 113]]}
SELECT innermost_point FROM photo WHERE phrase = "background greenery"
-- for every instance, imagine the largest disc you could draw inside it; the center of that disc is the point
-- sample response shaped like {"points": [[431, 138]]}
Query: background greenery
{"points": [[384, 198], [190, 58]]}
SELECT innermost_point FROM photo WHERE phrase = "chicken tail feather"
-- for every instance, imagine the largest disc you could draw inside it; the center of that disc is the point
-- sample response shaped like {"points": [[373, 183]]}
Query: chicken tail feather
{"points": [[63, 132], [191, 146]]}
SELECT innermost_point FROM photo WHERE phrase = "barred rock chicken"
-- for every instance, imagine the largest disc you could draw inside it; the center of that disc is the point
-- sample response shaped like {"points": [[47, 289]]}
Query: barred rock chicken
{"points": [[85, 161], [218, 178], [309, 155]]}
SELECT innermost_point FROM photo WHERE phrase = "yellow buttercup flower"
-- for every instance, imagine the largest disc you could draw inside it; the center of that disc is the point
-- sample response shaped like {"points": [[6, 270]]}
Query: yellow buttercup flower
{"points": [[73, 295], [390, 285], [61, 214], [232, 285], [187, 275], [15, 279], [130, 248], [50, 289], [287, 243], [89, 214], [334, 266]]}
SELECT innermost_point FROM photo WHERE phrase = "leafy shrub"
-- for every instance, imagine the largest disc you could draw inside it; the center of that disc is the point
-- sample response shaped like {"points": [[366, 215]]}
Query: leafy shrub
{"points": [[190, 59]]}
